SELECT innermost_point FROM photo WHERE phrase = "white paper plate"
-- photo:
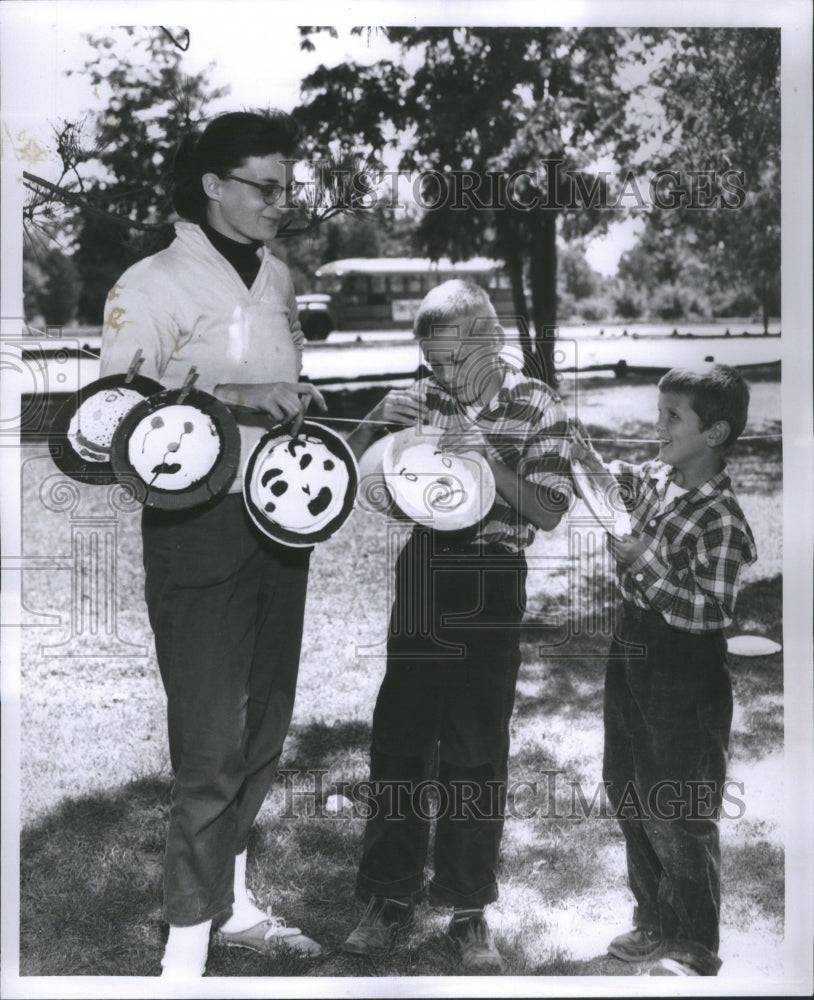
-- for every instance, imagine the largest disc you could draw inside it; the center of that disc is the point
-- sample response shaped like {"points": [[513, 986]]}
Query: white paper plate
{"points": [[600, 493], [373, 493], [300, 490], [443, 490], [752, 645]]}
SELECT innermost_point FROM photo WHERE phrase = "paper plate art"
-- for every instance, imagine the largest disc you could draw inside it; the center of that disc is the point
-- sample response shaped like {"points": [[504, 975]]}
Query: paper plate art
{"points": [[177, 449], [441, 489], [300, 489], [82, 429], [600, 493]]}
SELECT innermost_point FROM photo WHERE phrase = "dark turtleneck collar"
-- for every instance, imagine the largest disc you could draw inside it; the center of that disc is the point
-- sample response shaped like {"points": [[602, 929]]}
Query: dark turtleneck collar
{"points": [[242, 256]]}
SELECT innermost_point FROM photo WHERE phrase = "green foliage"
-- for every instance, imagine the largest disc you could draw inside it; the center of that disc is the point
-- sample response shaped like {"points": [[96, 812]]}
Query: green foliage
{"points": [[491, 101], [50, 286], [152, 104], [719, 91]]}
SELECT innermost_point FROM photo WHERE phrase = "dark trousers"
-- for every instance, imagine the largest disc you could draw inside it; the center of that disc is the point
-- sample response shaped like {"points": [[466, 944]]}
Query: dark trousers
{"points": [[226, 606], [668, 712], [442, 719]]}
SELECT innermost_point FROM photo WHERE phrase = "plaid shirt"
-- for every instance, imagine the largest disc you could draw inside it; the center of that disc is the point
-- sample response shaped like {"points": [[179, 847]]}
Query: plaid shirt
{"points": [[688, 572], [525, 424]]}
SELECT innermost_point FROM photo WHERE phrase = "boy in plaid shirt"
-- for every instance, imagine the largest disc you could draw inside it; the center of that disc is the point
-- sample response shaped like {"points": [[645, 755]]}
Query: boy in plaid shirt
{"points": [[453, 647], [668, 692]]}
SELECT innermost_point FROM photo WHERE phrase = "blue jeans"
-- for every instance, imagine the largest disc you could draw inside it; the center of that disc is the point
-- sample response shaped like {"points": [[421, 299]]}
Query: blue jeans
{"points": [[668, 712], [226, 606], [442, 717]]}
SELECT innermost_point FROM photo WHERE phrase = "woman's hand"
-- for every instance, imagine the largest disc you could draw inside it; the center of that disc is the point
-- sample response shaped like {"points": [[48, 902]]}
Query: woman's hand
{"points": [[282, 401]]}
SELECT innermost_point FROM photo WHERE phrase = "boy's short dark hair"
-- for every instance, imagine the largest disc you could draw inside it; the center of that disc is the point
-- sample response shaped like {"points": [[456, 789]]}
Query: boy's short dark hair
{"points": [[716, 392], [445, 303]]}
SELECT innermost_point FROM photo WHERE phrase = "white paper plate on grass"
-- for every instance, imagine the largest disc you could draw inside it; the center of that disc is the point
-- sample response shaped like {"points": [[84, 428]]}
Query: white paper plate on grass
{"points": [[752, 645]]}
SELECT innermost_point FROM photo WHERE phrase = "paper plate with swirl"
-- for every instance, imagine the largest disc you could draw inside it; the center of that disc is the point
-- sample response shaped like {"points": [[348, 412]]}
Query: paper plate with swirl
{"points": [[441, 489]]}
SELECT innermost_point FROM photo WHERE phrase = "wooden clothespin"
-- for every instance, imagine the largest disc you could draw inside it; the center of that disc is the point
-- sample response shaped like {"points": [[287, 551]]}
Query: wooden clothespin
{"points": [[135, 364], [188, 384]]}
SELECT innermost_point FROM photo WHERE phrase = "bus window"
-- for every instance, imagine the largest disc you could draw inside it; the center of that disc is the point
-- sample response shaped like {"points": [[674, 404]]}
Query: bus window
{"points": [[329, 284], [396, 284], [413, 284], [378, 290], [355, 289]]}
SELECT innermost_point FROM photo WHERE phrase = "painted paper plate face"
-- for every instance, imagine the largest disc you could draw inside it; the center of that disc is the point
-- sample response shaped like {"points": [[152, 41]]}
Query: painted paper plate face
{"points": [[177, 450], [600, 492], [440, 489], [752, 645], [300, 490], [82, 429]]}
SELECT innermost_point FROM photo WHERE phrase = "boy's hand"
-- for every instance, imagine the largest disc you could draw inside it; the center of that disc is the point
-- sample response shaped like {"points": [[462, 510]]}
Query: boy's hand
{"points": [[397, 407], [459, 442], [627, 549], [583, 451]]}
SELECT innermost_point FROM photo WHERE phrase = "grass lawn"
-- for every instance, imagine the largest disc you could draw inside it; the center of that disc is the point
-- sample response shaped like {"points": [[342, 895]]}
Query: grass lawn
{"points": [[95, 770]]}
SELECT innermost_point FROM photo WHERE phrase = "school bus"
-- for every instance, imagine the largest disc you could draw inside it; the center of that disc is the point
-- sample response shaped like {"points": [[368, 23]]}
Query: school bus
{"points": [[380, 293]]}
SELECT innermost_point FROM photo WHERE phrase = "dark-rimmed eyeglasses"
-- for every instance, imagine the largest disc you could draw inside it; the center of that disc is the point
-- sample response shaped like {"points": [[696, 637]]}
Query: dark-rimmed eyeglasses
{"points": [[272, 194]]}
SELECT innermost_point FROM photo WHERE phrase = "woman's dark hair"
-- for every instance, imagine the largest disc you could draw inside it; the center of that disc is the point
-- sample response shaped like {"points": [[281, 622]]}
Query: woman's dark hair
{"points": [[223, 146]]}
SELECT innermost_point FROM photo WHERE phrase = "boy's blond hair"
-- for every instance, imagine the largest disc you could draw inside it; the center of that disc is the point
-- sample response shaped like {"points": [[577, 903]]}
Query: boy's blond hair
{"points": [[445, 304]]}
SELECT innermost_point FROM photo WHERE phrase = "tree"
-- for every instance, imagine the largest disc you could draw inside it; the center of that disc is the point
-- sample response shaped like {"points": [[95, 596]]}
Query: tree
{"points": [[50, 286], [111, 204], [719, 132], [501, 120]]}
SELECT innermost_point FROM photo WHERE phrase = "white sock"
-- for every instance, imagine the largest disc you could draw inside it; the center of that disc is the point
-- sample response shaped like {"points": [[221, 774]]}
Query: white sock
{"points": [[245, 912], [186, 951]]}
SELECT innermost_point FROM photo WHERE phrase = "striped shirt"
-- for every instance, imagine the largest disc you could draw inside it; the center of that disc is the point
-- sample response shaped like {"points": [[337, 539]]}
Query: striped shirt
{"points": [[525, 424], [697, 545]]}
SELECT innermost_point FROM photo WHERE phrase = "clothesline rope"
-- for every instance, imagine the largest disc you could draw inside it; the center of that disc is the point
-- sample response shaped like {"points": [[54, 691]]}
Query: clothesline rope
{"points": [[385, 423]]}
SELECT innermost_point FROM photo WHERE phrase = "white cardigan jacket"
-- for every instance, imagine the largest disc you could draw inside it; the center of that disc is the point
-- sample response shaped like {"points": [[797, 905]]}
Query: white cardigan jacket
{"points": [[187, 305]]}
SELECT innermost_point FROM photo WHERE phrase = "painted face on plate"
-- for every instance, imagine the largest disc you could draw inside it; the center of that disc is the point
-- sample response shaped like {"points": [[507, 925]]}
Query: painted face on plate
{"points": [[431, 485], [300, 484], [175, 447], [92, 426]]}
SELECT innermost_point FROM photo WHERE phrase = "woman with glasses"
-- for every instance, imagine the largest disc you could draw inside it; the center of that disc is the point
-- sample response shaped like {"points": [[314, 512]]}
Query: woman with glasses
{"points": [[225, 603]]}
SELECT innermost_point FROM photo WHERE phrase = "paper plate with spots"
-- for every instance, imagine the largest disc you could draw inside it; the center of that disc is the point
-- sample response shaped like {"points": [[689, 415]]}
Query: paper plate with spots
{"points": [[177, 449], [300, 490], [82, 429], [443, 490]]}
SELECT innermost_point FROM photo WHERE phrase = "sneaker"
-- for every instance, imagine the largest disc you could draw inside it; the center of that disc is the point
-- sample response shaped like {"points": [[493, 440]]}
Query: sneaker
{"points": [[271, 937], [476, 948], [672, 967], [636, 946], [380, 925]]}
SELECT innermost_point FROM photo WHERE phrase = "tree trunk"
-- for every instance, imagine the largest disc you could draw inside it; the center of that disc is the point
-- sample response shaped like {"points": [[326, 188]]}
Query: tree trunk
{"points": [[510, 247], [543, 254]]}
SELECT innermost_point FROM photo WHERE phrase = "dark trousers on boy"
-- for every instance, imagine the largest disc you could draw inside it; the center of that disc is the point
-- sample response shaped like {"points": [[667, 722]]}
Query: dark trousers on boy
{"points": [[226, 606], [442, 718], [668, 712]]}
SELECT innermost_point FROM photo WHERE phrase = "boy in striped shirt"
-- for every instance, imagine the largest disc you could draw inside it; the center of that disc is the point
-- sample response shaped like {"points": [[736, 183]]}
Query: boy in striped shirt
{"points": [[668, 691], [453, 649]]}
